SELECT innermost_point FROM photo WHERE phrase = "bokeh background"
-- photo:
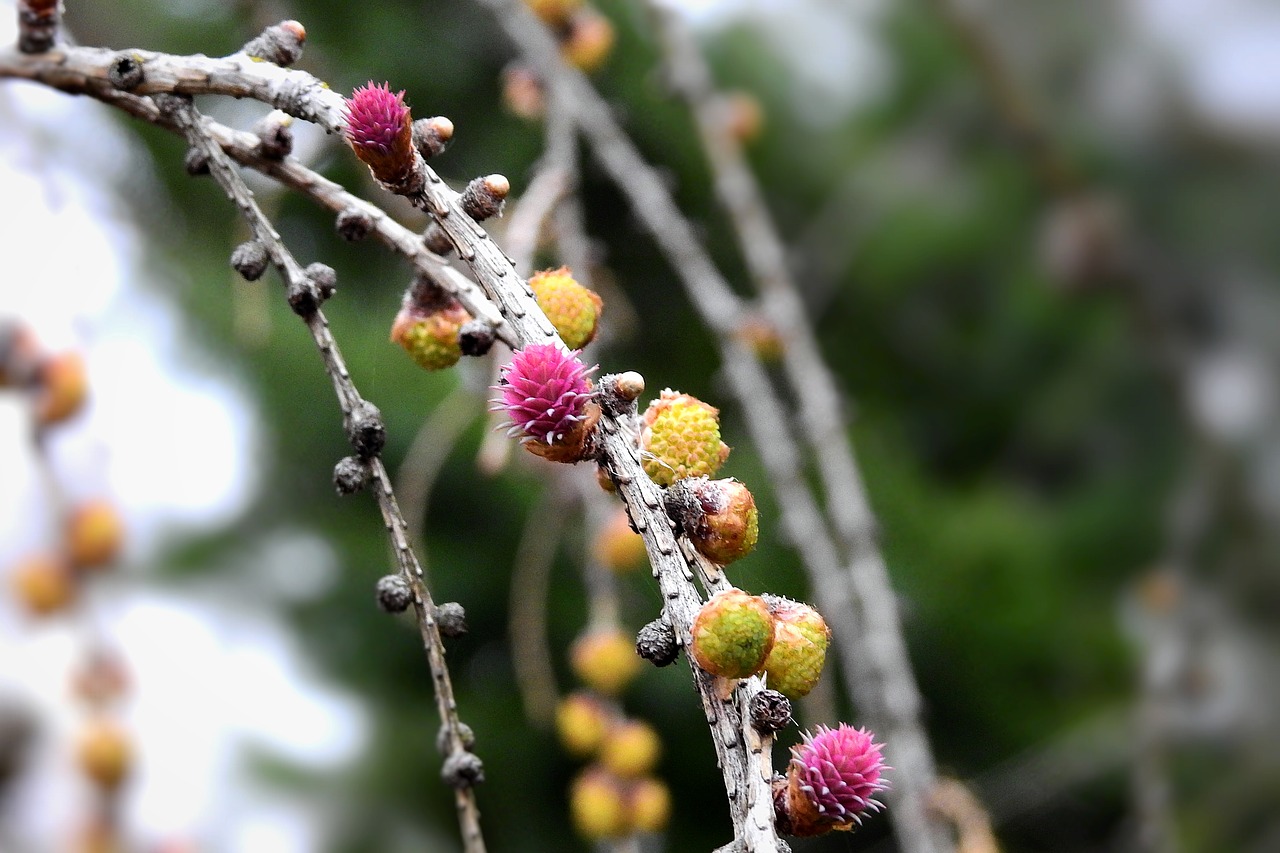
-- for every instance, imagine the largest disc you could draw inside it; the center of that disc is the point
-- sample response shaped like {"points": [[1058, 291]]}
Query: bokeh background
{"points": [[1037, 241]]}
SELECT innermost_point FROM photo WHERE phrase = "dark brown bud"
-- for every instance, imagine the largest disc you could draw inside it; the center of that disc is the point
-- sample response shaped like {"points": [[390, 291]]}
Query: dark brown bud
{"points": [[125, 73], [462, 770], [196, 162], [465, 734], [324, 278], [484, 197], [303, 296], [394, 594], [436, 240], [770, 712], [476, 337], [431, 136], [37, 25], [365, 429], [657, 644], [275, 135], [354, 224], [350, 475], [451, 619], [250, 260], [279, 43]]}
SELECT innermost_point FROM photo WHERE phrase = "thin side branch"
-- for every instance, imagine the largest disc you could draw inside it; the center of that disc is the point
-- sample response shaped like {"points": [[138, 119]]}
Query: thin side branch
{"points": [[353, 405]]}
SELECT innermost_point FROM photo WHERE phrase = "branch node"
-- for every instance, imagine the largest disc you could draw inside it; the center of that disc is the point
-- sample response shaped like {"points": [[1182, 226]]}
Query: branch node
{"points": [[770, 712], [275, 135], [466, 737], [365, 429], [476, 337], [350, 475], [394, 594], [657, 644], [462, 770], [304, 297], [617, 392], [250, 257], [354, 225], [451, 619], [431, 136], [196, 162], [279, 43], [483, 197], [324, 278], [126, 73], [436, 240]]}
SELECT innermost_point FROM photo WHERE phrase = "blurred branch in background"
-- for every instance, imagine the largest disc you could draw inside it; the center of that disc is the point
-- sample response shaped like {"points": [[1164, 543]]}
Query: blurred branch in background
{"points": [[1201, 330]]}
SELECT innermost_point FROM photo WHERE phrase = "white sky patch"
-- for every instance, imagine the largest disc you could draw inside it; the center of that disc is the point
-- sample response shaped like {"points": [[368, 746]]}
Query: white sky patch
{"points": [[835, 61], [1227, 58], [208, 681]]}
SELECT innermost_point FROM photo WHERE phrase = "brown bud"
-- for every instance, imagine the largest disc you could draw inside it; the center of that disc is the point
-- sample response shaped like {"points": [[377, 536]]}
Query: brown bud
{"points": [[431, 136], [483, 197], [394, 594]]}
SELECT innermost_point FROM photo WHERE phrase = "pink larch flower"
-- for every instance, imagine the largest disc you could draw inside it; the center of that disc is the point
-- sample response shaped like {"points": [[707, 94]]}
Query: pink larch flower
{"points": [[839, 769], [380, 131], [545, 393], [832, 781]]}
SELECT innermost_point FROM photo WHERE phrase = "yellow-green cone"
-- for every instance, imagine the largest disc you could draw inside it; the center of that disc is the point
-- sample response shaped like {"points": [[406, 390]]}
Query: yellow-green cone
{"points": [[732, 634], [571, 308], [681, 438], [801, 638], [431, 338]]}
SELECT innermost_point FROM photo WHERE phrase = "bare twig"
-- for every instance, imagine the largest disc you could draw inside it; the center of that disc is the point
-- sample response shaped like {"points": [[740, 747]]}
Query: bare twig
{"points": [[353, 406]]}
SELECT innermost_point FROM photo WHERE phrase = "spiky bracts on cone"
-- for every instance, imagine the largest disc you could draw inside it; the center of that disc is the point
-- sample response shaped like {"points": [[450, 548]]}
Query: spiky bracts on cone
{"points": [[732, 634], [800, 640], [571, 308], [719, 517], [430, 334], [380, 130], [681, 438], [546, 394], [831, 782]]}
